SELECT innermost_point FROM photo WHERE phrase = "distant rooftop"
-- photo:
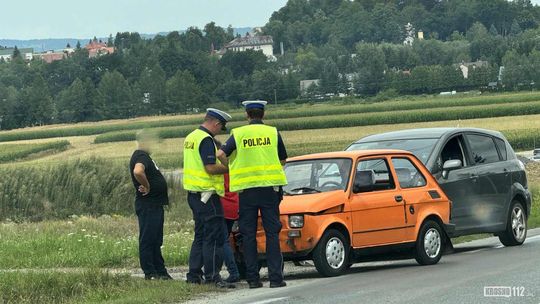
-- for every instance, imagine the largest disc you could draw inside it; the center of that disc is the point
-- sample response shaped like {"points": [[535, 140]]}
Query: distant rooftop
{"points": [[250, 41]]}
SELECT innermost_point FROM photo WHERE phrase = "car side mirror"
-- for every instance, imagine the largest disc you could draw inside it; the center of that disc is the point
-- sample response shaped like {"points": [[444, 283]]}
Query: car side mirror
{"points": [[451, 165]]}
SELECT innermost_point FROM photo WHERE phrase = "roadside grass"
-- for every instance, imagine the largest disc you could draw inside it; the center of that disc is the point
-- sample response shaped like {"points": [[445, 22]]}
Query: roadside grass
{"points": [[86, 242], [343, 107], [91, 286], [14, 152]]}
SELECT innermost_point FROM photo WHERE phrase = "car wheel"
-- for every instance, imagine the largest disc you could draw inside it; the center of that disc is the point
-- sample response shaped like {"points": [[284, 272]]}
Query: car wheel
{"points": [[331, 255], [516, 228], [429, 244]]}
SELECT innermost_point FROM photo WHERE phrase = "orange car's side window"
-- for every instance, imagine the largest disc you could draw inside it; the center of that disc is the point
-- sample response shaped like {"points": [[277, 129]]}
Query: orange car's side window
{"points": [[373, 175], [407, 173]]}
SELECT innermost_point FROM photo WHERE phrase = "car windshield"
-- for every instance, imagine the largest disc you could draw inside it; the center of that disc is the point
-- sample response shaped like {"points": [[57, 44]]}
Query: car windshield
{"points": [[318, 175], [421, 148]]}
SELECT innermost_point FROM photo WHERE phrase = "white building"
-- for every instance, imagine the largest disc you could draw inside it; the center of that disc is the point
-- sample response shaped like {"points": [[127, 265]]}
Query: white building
{"points": [[6, 54], [264, 44]]}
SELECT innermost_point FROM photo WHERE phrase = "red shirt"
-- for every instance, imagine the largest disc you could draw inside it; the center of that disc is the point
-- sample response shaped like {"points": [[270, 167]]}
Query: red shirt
{"points": [[229, 202]]}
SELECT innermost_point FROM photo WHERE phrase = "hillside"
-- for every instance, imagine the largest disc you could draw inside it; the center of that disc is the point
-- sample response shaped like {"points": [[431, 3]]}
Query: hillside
{"points": [[347, 48]]}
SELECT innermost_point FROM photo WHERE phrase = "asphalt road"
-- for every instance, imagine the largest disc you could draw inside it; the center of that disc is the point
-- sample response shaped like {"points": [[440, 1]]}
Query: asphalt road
{"points": [[458, 278]]}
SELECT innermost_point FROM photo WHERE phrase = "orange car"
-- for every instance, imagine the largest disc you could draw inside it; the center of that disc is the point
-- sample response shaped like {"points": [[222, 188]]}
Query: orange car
{"points": [[345, 207]]}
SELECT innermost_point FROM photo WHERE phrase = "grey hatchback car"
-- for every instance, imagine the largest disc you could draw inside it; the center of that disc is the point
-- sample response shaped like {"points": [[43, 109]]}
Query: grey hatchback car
{"points": [[479, 172]]}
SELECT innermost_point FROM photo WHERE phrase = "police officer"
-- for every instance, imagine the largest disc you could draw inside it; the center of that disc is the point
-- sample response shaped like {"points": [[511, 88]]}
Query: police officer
{"points": [[203, 179], [256, 172], [151, 195]]}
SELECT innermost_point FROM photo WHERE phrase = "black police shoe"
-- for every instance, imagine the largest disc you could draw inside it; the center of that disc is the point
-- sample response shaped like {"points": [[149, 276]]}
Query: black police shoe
{"points": [[255, 284], [223, 285], [278, 285]]}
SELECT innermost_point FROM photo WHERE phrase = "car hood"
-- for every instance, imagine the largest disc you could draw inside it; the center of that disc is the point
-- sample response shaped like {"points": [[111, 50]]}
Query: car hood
{"points": [[312, 203]]}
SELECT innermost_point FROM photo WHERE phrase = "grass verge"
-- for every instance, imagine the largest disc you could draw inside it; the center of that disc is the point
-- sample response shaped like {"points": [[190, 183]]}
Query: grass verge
{"points": [[105, 242], [92, 286]]}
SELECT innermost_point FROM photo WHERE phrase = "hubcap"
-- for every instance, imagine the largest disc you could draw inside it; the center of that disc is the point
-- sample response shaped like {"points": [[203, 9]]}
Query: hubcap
{"points": [[335, 252], [519, 225], [432, 243]]}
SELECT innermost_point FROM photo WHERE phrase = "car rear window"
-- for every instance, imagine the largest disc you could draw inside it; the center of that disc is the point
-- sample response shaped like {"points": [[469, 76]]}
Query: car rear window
{"points": [[483, 149], [421, 147], [502, 148], [407, 174]]}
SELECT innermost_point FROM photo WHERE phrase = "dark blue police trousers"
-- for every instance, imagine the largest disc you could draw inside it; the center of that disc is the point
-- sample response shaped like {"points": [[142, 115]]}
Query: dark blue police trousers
{"points": [[207, 247], [151, 219], [266, 200]]}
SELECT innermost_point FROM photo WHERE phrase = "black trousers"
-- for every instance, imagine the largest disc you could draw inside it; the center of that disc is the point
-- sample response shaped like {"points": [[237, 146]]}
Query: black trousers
{"points": [[266, 200], [151, 219], [207, 247]]}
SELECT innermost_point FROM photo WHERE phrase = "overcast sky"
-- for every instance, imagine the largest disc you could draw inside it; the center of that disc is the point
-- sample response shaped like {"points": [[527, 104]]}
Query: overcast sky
{"points": [[26, 19]]}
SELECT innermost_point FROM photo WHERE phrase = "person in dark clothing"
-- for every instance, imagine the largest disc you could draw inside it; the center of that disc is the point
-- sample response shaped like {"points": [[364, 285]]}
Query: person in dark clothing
{"points": [[203, 179], [257, 154], [151, 196]]}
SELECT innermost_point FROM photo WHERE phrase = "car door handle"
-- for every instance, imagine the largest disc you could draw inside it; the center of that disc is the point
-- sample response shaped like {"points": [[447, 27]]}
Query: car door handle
{"points": [[399, 198]]}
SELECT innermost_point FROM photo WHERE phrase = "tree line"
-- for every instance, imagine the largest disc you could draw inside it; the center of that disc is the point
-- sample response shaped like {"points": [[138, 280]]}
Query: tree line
{"points": [[353, 47]]}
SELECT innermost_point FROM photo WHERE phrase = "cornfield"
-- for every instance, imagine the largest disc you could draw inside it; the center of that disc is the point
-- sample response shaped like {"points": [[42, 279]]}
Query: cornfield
{"points": [[13, 152], [341, 108], [360, 119]]}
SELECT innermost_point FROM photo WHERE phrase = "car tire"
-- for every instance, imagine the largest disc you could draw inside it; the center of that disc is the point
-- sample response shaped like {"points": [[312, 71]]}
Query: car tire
{"points": [[429, 244], [516, 226], [331, 255]]}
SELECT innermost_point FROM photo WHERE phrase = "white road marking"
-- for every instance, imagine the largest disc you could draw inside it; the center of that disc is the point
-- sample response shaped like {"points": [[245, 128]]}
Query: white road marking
{"points": [[532, 238], [528, 240], [270, 300]]}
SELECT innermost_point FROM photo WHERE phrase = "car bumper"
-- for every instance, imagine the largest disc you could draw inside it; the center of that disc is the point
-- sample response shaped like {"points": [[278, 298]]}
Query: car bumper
{"points": [[528, 199], [449, 228], [294, 242]]}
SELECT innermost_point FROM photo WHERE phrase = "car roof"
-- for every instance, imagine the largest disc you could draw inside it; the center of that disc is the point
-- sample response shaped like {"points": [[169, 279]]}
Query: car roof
{"points": [[423, 133], [349, 154]]}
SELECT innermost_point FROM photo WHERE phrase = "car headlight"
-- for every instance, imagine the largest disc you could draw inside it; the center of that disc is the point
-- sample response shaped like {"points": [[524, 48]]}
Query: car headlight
{"points": [[296, 221]]}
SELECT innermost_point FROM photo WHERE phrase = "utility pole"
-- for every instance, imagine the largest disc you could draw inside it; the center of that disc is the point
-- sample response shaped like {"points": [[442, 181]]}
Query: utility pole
{"points": [[275, 96]]}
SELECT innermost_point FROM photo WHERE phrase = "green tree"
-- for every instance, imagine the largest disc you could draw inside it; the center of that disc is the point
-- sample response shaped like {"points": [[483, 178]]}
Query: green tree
{"points": [[183, 93], [115, 96], [36, 103], [77, 102], [153, 95], [330, 78], [370, 64], [267, 85], [243, 63]]}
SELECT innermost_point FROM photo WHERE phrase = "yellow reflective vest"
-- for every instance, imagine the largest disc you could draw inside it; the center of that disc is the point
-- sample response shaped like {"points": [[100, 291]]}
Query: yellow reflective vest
{"points": [[195, 177], [255, 162]]}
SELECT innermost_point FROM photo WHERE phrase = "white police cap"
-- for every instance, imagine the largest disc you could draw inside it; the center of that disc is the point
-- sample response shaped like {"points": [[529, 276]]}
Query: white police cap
{"points": [[221, 115], [254, 104]]}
